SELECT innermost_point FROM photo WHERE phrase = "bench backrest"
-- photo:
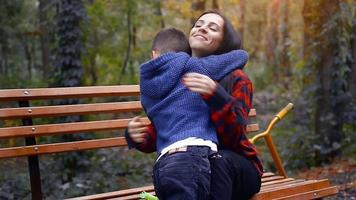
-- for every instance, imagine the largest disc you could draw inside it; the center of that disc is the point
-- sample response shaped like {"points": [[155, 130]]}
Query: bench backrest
{"points": [[29, 104]]}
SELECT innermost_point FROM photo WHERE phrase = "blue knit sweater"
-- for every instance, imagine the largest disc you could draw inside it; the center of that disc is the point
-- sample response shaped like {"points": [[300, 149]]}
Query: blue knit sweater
{"points": [[176, 112]]}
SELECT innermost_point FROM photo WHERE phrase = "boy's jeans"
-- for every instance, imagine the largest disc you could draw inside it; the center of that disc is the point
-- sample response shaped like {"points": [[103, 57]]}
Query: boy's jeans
{"points": [[183, 175]]}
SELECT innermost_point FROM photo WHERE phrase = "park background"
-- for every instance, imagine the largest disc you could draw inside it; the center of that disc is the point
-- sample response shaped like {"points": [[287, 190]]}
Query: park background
{"points": [[300, 51]]}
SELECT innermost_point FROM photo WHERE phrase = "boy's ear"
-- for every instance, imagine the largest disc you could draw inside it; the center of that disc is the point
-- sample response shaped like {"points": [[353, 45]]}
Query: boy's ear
{"points": [[155, 54]]}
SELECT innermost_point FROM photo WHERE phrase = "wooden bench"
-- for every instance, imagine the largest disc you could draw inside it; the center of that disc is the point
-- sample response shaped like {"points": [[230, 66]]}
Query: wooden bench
{"points": [[274, 186]]}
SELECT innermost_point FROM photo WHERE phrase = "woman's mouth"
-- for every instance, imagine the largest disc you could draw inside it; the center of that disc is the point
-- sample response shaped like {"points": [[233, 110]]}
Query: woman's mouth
{"points": [[201, 37]]}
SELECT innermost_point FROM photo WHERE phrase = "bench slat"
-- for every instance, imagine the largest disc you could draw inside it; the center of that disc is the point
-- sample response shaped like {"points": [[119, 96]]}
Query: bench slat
{"points": [[252, 112], [252, 128], [65, 128], [316, 194], [301, 185], [68, 92], [65, 110], [267, 174], [114, 194], [61, 147], [282, 184], [278, 181], [292, 189], [272, 178], [79, 109]]}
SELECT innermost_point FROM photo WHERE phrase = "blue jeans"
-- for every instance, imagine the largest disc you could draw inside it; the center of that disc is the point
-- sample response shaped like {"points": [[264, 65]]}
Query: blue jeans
{"points": [[183, 175], [233, 177]]}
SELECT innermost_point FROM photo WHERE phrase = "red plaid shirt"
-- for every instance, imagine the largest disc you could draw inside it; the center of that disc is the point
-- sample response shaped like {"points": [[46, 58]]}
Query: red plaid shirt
{"points": [[229, 113]]}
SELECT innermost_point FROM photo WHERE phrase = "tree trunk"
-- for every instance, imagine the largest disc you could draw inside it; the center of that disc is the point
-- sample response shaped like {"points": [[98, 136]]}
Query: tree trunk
{"points": [[242, 19], [284, 46], [272, 39], [129, 45], [4, 54], [328, 128], [28, 56], [92, 62], [352, 77], [215, 5], [197, 7], [43, 7], [159, 13]]}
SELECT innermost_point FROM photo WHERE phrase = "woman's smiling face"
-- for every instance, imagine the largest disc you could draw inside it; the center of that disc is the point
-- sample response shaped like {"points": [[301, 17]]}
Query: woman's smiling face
{"points": [[206, 35]]}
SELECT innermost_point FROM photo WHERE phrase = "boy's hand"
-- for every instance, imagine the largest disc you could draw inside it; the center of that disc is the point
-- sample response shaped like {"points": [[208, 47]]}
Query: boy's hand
{"points": [[199, 83], [137, 129]]}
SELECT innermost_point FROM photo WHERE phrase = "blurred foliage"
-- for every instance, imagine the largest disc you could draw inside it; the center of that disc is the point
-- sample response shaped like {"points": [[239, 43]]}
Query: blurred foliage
{"points": [[99, 42]]}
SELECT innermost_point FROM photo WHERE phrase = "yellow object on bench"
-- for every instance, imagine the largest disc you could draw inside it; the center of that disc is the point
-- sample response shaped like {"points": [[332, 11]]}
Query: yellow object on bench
{"points": [[274, 186]]}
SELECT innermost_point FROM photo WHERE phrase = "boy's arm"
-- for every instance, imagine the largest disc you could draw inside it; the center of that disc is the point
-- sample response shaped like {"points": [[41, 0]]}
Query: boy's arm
{"points": [[218, 66]]}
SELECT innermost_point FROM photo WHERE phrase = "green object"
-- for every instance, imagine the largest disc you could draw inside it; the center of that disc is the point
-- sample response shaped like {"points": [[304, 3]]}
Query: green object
{"points": [[147, 196]]}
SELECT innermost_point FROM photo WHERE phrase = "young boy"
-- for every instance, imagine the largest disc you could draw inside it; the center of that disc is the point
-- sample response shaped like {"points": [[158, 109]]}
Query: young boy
{"points": [[181, 117]]}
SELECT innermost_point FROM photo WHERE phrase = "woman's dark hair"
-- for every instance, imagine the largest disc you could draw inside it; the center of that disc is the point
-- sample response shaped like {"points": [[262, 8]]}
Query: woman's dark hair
{"points": [[231, 38], [231, 41]]}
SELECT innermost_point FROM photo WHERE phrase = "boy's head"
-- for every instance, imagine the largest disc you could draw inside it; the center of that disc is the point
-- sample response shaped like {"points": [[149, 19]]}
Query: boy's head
{"points": [[170, 39]]}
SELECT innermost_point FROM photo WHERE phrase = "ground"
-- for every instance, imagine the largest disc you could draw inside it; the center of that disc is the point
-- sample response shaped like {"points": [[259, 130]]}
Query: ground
{"points": [[341, 173]]}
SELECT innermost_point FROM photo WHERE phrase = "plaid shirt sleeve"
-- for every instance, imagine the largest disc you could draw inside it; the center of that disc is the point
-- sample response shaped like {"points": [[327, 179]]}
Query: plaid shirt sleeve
{"points": [[229, 113], [148, 145]]}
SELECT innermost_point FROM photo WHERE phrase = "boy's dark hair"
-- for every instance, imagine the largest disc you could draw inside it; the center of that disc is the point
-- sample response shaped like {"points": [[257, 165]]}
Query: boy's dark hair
{"points": [[171, 39]]}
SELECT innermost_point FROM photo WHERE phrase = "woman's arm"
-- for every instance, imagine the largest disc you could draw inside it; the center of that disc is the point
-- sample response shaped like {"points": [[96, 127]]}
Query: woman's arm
{"points": [[229, 112], [141, 136]]}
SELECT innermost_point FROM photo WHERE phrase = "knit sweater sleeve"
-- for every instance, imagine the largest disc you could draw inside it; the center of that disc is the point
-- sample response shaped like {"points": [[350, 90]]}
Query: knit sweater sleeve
{"points": [[218, 66]]}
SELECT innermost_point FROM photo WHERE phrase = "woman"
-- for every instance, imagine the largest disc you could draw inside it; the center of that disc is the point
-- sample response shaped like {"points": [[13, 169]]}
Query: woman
{"points": [[236, 170]]}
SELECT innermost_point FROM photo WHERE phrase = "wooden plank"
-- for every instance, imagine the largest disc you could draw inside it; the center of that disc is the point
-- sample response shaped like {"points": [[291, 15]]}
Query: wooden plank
{"points": [[282, 184], [267, 174], [65, 110], [252, 128], [65, 128], [276, 187], [316, 194], [292, 189], [62, 147], [272, 178], [120, 193], [252, 112], [265, 184], [79, 109], [68, 92]]}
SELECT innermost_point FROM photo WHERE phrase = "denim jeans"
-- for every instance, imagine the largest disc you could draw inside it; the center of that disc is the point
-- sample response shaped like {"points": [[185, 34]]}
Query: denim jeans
{"points": [[183, 175], [233, 177]]}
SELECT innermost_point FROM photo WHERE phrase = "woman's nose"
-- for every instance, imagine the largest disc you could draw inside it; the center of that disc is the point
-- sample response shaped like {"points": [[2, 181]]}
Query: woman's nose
{"points": [[202, 29]]}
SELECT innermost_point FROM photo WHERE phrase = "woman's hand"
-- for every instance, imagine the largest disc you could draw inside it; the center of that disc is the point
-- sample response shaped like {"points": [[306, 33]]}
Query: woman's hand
{"points": [[199, 83], [137, 129]]}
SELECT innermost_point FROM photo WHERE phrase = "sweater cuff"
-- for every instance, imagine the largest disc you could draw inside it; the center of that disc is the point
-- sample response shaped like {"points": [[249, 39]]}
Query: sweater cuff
{"points": [[130, 143], [218, 99]]}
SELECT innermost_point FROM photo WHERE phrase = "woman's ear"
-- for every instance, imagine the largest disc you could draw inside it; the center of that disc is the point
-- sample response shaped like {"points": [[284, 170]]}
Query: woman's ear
{"points": [[155, 54]]}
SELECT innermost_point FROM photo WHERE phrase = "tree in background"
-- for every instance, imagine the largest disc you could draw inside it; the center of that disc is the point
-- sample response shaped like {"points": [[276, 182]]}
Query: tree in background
{"points": [[69, 73], [325, 96], [68, 62]]}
